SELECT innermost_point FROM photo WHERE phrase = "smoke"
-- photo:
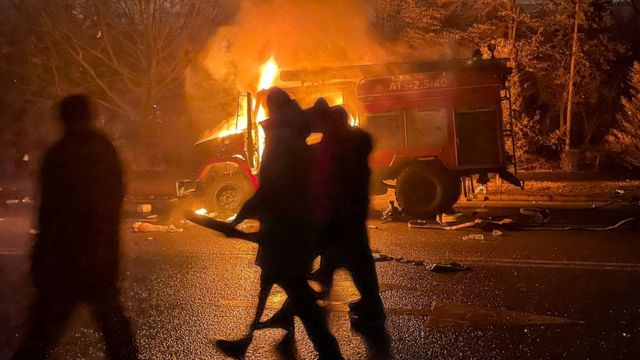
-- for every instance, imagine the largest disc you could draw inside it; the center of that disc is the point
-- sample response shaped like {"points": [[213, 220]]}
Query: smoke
{"points": [[299, 34]]}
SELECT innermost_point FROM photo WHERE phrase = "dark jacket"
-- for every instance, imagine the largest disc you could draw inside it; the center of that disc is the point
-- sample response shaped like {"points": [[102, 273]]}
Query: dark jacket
{"points": [[81, 194], [282, 203]]}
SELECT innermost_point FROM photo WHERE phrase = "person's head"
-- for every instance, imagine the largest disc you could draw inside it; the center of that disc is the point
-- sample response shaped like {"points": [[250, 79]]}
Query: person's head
{"points": [[318, 115], [75, 111], [285, 113], [278, 102], [339, 117]]}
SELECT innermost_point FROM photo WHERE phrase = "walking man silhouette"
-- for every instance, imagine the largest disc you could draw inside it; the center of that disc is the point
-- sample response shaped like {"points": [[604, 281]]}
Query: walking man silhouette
{"points": [[342, 203], [75, 257], [286, 241]]}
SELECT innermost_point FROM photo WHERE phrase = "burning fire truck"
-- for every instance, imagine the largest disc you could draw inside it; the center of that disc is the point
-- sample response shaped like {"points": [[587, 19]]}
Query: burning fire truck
{"points": [[432, 122]]}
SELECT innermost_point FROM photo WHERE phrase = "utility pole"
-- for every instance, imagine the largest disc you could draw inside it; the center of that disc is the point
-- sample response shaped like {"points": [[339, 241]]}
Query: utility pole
{"points": [[572, 71]]}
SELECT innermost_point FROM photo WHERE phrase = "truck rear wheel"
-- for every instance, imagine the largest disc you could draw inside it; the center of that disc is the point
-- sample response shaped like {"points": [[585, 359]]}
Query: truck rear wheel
{"points": [[427, 188], [224, 195]]}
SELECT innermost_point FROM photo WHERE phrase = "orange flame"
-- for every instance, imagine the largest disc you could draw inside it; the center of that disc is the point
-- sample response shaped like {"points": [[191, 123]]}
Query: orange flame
{"points": [[268, 74]]}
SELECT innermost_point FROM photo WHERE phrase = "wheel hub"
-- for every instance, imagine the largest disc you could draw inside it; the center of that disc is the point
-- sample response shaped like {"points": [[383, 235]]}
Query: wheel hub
{"points": [[227, 197]]}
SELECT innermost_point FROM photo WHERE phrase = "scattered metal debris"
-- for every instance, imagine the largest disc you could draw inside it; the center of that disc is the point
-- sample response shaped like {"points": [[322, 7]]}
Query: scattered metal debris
{"points": [[374, 227], [497, 232]]}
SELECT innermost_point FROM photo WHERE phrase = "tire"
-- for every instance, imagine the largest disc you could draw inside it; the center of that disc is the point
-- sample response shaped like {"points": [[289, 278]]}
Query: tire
{"points": [[426, 189], [225, 194]]}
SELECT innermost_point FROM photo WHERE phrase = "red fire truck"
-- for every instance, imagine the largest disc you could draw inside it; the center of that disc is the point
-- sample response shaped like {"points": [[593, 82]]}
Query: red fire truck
{"points": [[432, 122]]}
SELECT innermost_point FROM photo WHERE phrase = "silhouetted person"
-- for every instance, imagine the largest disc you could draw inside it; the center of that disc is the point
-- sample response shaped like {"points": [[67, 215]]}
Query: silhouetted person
{"points": [[341, 201], [342, 161], [75, 257], [342, 198], [282, 203]]}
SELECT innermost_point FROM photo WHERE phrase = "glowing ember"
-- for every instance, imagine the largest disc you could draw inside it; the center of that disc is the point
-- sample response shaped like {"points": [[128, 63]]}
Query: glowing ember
{"points": [[201, 211]]}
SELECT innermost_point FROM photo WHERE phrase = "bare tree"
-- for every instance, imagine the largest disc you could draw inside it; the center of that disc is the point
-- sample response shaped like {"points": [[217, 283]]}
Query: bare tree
{"points": [[129, 54]]}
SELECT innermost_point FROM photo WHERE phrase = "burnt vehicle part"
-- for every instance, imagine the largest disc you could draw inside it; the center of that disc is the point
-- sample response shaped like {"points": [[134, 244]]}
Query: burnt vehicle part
{"points": [[226, 179]]}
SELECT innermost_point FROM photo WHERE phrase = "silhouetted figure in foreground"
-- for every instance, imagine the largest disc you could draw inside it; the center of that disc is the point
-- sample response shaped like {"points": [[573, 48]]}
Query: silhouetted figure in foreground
{"points": [[342, 198], [341, 201], [282, 203], [342, 227], [76, 254]]}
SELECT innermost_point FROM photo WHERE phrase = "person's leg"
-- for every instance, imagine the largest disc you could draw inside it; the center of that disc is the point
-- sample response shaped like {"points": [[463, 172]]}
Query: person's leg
{"points": [[114, 324], [266, 284], [237, 348], [48, 316], [329, 259], [360, 263], [304, 305], [325, 273]]}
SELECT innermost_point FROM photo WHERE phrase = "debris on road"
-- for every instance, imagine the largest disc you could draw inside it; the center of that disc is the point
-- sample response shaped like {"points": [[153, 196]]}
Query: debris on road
{"points": [[379, 257], [143, 208], [448, 219], [434, 267], [496, 227], [541, 215], [482, 224], [146, 227], [374, 227], [446, 267], [473, 237], [393, 213]]}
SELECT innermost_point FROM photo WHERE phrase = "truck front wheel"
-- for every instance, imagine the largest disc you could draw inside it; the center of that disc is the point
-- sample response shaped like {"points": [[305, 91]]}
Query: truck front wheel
{"points": [[224, 195], [427, 188]]}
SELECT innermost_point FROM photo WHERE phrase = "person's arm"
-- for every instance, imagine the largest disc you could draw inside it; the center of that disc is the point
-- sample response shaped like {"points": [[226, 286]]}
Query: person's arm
{"points": [[272, 171], [249, 209]]}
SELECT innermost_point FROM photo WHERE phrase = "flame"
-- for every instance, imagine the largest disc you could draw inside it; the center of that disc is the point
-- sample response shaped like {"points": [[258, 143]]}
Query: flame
{"points": [[202, 211], [268, 73]]}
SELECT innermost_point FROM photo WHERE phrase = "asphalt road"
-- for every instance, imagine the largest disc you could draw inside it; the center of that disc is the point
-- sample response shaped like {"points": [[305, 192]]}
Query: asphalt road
{"points": [[526, 295]]}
